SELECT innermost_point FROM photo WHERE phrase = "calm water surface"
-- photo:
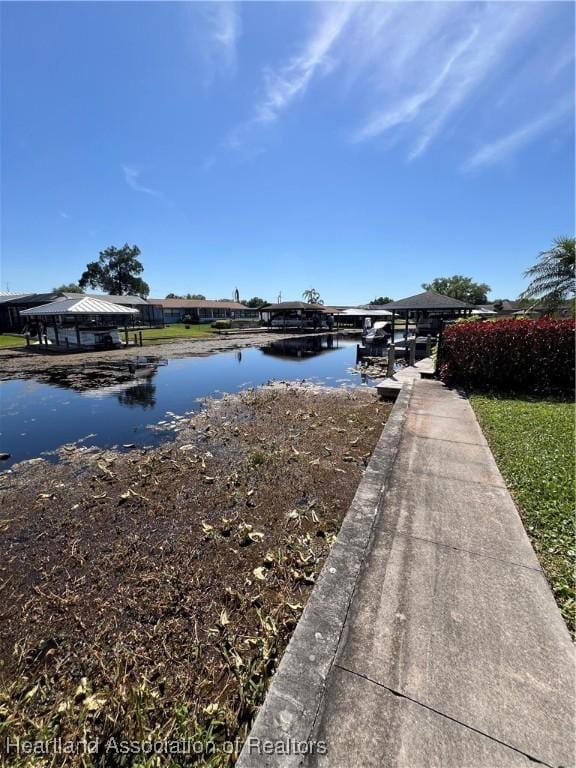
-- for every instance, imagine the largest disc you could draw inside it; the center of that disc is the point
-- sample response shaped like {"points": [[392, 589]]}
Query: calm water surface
{"points": [[38, 417]]}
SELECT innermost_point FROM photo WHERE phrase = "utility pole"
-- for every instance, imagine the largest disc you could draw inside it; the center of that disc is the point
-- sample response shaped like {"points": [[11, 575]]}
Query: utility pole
{"points": [[279, 297]]}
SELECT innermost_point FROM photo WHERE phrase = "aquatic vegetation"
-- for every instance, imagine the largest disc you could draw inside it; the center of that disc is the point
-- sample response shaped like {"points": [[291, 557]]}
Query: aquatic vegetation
{"points": [[149, 595]]}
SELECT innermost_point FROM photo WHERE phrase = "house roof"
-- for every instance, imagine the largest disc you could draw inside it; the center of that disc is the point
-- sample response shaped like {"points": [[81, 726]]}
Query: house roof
{"points": [[507, 306], [82, 306], [197, 304], [428, 300]]}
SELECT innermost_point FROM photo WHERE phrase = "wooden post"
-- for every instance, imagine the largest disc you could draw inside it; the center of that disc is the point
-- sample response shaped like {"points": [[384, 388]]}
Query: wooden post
{"points": [[391, 361], [141, 342], [406, 333], [126, 334], [428, 345], [56, 337], [77, 336], [412, 361]]}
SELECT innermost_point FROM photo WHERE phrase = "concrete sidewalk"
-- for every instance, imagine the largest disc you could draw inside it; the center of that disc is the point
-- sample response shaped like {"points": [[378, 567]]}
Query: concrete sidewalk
{"points": [[451, 651], [455, 653]]}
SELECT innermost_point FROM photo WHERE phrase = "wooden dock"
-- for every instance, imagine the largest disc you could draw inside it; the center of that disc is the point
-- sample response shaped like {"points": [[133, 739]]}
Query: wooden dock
{"points": [[389, 388]]}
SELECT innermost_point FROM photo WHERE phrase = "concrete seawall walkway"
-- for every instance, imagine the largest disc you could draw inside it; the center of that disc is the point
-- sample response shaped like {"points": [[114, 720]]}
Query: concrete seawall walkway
{"points": [[451, 652]]}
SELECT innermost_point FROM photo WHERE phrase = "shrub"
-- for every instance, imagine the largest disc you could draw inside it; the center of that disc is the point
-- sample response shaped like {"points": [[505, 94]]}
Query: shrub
{"points": [[509, 356]]}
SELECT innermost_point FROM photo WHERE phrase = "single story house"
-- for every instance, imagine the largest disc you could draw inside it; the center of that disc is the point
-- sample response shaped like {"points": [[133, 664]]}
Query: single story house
{"points": [[200, 310], [504, 308]]}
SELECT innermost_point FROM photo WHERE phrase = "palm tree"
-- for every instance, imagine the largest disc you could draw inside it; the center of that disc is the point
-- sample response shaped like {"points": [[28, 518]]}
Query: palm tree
{"points": [[553, 278], [312, 296]]}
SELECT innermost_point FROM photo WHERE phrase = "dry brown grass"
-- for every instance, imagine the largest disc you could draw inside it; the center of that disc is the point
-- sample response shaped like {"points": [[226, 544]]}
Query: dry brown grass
{"points": [[149, 595]]}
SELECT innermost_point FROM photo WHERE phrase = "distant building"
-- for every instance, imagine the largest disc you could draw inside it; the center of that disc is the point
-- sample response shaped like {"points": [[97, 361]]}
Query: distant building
{"points": [[200, 310], [504, 308]]}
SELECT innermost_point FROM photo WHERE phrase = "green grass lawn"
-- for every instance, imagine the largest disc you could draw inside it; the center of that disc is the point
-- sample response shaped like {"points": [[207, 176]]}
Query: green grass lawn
{"points": [[533, 442], [175, 332], [12, 340]]}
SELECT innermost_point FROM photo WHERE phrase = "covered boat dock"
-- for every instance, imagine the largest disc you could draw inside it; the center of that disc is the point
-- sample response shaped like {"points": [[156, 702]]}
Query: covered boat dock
{"points": [[79, 323], [428, 311]]}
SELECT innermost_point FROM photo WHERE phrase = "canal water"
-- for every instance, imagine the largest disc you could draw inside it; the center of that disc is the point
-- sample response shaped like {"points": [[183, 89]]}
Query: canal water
{"points": [[39, 417]]}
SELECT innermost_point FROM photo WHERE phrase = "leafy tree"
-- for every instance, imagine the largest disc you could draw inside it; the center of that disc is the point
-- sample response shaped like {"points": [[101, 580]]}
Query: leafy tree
{"points": [[116, 272], [312, 296], [381, 300], [68, 288], [173, 296], [460, 287], [553, 277], [255, 302]]}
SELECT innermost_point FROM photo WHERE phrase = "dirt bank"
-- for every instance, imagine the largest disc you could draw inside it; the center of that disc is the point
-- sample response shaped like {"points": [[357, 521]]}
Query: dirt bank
{"points": [[149, 595]]}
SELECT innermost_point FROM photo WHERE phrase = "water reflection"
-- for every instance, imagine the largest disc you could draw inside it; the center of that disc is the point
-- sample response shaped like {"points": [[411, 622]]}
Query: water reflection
{"points": [[308, 346], [114, 403]]}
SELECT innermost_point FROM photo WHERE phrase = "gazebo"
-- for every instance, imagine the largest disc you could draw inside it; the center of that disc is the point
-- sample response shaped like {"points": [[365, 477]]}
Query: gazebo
{"points": [[428, 310], [86, 322]]}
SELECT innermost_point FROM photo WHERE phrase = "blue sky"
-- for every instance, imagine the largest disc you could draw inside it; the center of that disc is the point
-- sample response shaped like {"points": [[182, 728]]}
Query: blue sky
{"points": [[359, 148]]}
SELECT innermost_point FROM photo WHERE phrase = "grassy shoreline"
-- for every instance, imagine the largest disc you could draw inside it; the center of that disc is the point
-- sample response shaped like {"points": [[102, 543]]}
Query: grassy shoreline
{"points": [[532, 441]]}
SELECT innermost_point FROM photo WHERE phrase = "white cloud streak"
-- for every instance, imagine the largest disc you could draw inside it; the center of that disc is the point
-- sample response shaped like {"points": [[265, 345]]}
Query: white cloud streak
{"points": [[289, 82], [284, 84], [224, 31], [503, 148], [413, 69], [132, 176]]}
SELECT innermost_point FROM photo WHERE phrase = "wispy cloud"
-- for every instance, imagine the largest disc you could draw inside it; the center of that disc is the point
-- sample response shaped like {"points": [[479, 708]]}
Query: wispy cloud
{"points": [[288, 82], [415, 71], [224, 30], [503, 148], [132, 178], [212, 30], [460, 46], [411, 107], [64, 215]]}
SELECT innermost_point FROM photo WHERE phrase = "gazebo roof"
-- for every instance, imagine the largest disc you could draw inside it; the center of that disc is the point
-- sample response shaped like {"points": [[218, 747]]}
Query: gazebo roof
{"points": [[428, 300], [285, 306], [79, 306]]}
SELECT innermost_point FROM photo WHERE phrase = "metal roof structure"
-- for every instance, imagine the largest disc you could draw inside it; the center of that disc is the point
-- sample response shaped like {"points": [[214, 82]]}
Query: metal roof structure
{"points": [[86, 305], [44, 298], [287, 306], [357, 312], [429, 300], [6, 296]]}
